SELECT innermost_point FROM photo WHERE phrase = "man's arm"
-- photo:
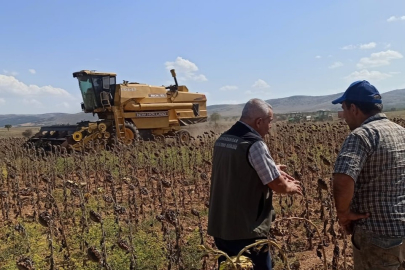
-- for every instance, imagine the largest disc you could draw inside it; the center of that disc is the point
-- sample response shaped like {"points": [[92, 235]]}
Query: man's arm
{"points": [[343, 190], [348, 166], [271, 174], [284, 185]]}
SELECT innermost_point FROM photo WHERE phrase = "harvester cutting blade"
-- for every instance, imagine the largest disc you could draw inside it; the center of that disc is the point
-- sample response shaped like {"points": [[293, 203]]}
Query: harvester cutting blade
{"points": [[53, 135], [78, 137]]}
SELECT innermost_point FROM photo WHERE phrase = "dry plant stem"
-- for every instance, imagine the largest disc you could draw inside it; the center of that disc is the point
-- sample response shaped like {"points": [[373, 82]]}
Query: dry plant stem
{"points": [[221, 253], [344, 250], [131, 239], [103, 245], [261, 242], [50, 241], [317, 231]]}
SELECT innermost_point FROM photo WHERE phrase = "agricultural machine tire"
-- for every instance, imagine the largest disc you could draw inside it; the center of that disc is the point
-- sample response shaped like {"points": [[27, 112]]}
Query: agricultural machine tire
{"points": [[183, 137], [131, 133]]}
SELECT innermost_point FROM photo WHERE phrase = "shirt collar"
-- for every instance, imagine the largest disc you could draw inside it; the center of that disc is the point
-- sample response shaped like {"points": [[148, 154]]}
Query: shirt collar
{"points": [[378, 116], [251, 129]]}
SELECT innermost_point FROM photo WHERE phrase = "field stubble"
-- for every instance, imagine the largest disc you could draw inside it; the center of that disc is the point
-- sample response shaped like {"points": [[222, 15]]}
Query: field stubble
{"points": [[145, 206]]}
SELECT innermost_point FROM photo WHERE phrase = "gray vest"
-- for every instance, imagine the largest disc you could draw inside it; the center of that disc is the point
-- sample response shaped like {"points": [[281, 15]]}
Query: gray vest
{"points": [[240, 205]]}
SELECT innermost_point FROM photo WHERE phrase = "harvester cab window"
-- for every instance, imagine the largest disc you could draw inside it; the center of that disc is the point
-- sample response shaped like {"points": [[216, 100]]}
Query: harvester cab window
{"points": [[86, 87], [98, 88], [106, 83]]}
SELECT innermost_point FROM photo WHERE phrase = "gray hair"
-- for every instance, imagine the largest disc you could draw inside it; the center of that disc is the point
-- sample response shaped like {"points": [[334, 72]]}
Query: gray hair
{"points": [[255, 108]]}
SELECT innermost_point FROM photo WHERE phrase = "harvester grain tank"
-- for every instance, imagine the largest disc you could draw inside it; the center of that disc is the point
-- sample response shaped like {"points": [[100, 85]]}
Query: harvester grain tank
{"points": [[127, 112]]}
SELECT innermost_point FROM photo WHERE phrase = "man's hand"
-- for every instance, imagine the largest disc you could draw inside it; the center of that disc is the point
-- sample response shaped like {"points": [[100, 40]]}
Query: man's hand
{"points": [[281, 169], [293, 187], [285, 183], [346, 220], [343, 190]]}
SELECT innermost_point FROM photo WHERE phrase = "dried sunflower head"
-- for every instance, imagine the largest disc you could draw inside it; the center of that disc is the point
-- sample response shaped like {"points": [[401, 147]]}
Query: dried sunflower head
{"points": [[96, 217]]}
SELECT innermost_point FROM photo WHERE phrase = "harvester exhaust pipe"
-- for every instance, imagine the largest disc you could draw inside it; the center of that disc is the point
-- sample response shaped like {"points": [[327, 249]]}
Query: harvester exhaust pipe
{"points": [[173, 88], [173, 72]]}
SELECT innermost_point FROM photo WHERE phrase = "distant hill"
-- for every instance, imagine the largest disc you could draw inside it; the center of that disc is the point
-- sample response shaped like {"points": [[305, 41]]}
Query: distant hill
{"points": [[392, 99], [44, 119]]}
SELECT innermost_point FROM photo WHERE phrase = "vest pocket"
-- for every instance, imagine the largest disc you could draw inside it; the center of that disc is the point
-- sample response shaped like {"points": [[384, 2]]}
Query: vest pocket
{"points": [[260, 207]]}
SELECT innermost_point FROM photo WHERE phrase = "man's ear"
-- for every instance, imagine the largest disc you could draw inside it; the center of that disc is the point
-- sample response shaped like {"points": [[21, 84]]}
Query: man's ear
{"points": [[356, 110], [353, 108], [258, 121]]}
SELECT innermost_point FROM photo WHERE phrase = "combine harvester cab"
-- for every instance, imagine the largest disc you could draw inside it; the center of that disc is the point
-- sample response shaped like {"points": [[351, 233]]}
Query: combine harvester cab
{"points": [[127, 112]]}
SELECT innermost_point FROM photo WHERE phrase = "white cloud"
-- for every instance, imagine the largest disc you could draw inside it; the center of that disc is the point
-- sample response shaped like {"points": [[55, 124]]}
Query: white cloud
{"points": [[248, 92], [349, 47], [367, 75], [32, 71], [318, 57], [2, 101], [33, 102], [379, 59], [395, 72], [368, 46], [10, 85], [360, 46], [186, 68], [388, 45], [336, 65], [24, 98], [66, 105], [228, 88], [11, 73], [260, 84], [394, 18]]}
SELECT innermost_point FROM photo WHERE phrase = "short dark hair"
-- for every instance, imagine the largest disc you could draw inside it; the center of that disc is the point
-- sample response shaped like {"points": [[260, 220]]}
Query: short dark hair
{"points": [[366, 107]]}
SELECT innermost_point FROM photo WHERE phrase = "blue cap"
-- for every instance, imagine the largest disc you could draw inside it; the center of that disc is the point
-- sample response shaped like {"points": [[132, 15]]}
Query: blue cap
{"points": [[360, 91]]}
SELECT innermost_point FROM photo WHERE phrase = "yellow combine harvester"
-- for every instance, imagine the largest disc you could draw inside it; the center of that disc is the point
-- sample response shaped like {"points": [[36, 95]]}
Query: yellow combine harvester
{"points": [[127, 112]]}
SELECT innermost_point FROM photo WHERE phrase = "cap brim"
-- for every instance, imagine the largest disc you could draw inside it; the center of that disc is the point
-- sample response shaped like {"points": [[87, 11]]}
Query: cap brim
{"points": [[339, 100]]}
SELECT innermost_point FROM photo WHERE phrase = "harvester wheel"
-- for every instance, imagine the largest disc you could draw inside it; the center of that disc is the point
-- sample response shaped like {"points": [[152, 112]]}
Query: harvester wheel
{"points": [[183, 137], [77, 136], [131, 133]]}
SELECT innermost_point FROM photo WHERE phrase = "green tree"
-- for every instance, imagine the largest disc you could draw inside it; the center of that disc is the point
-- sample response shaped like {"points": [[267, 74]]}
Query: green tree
{"points": [[8, 126], [215, 117]]}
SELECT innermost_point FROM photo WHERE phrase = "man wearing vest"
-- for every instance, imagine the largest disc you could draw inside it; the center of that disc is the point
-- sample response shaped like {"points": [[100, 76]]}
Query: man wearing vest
{"points": [[243, 179]]}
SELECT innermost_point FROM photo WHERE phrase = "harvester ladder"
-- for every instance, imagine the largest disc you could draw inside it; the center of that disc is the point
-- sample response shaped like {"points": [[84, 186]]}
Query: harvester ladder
{"points": [[119, 122]]}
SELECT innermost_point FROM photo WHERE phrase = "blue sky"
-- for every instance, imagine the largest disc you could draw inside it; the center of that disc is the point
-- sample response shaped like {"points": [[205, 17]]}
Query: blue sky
{"points": [[230, 50]]}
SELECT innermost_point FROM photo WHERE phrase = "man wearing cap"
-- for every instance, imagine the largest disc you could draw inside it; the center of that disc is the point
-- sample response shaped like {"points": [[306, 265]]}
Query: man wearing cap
{"points": [[369, 181]]}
